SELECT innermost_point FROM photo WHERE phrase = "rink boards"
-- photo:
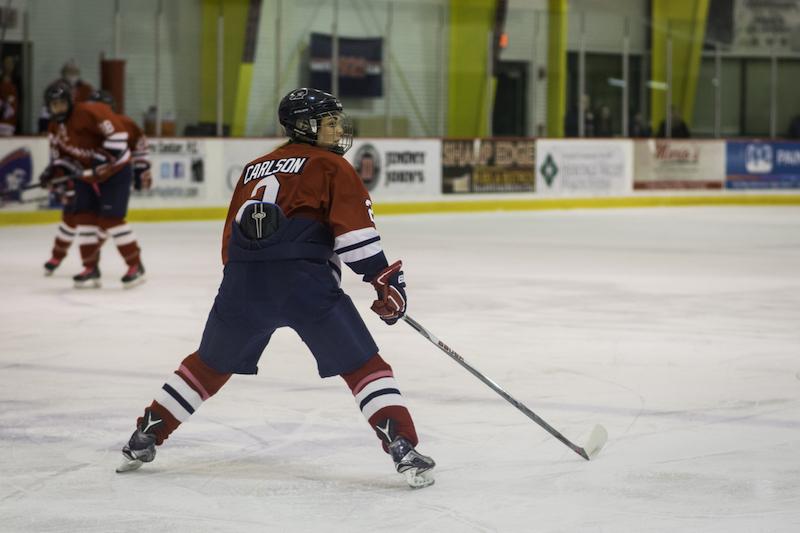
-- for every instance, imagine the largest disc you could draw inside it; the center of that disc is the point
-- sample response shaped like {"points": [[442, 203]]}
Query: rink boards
{"points": [[193, 177]]}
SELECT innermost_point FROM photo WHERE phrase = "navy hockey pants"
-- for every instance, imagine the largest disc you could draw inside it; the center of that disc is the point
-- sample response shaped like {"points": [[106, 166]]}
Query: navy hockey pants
{"points": [[256, 298], [109, 199]]}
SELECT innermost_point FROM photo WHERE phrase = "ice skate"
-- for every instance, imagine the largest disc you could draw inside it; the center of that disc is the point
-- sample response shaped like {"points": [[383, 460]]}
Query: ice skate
{"points": [[51, 266], [134, 276], [141, 447], [415, 467], [88, 279]]}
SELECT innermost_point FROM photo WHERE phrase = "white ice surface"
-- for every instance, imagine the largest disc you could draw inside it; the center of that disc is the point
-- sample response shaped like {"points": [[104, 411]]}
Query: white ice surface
{"points": [[677, 329]]}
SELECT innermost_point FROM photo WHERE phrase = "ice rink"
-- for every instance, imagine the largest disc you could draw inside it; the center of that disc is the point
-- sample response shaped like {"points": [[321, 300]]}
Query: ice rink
{"points": [[678, 329]]}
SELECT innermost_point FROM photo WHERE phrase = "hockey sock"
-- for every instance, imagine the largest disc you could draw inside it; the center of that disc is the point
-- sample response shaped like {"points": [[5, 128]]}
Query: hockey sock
{"points": [[192, 383], [66, 234], [124, 238], [378, 396], [86, 235]]}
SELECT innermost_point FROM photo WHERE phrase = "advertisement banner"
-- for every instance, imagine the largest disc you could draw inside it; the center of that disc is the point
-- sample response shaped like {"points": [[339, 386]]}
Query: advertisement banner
{"points": [[360, 65], [179, 170], [22, 160], [678, 164], [398, 168], [488, 165], [584, 167], [766, 26], [763, 165]]}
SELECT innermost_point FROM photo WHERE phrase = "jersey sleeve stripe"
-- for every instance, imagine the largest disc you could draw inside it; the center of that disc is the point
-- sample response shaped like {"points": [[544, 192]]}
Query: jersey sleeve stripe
{"points": [[115, 145], [357, 245], [361, 252], [354, 237]]}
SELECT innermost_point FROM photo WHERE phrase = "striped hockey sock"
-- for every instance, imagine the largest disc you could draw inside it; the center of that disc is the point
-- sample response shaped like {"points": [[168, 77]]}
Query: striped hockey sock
{"points": [[192, 383], [378, 396], [124, 239], [64, 237], [86, 236]]}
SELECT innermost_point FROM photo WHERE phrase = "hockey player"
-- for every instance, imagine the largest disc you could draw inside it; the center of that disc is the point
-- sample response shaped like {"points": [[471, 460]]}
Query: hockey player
{"points": [[295, 214], [137, 143], [91, 136]]}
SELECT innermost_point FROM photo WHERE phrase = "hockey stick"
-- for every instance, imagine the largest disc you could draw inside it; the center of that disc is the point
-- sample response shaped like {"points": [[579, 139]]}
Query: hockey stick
{"points": [[37, 185], [596, 440]]}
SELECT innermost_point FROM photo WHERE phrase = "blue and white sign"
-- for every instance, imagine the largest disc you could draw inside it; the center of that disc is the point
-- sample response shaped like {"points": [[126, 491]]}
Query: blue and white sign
{"points": [[762, 165]]}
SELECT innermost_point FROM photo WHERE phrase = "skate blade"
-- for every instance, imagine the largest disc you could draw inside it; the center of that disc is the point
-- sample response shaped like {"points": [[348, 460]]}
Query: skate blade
{"points": [[134, 283], [129, 465], [419, 480], [48, 273], [596, 441], [91, 284]]}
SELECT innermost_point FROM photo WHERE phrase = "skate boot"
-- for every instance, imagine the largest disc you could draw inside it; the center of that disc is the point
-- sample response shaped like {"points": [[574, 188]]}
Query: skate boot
{"points": [[51, 266], [141, 447], [88, 279], [415, 467], [134, 276]]}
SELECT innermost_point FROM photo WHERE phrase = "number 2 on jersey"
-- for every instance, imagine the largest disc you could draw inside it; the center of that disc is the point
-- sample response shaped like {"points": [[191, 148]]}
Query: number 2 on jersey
{"points": [[270, 185]]}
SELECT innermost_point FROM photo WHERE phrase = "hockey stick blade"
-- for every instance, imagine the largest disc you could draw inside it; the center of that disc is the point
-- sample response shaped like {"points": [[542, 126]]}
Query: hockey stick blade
{"points": [[596, 441]]}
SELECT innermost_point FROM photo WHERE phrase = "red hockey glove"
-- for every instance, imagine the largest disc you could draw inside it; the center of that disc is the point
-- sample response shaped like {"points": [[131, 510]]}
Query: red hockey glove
{"points": [[390, 285], [59, 171], [47, 176], [142, 178]]}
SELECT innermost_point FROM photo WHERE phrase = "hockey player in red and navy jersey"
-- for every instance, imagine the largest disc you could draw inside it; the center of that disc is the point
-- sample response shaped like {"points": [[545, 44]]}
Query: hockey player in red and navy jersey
{"points": [[94, 141], [295, 215], [140, 162]]}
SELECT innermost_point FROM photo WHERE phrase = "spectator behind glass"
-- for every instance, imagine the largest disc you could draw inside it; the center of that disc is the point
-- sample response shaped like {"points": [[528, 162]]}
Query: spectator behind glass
{"points": [[571, 119], [9, 100], [639, 127], [81, 90], [604, 127], [794, 128], [679, 128]]}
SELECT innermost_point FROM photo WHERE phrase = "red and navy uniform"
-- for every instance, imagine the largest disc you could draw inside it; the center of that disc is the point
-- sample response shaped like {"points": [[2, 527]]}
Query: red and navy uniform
{"points": [[291, 278], [95, 138]]}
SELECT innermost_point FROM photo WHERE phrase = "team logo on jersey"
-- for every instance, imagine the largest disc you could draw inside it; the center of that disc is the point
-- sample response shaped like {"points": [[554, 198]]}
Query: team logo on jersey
{"points": [[289, 165], [367, 163]]}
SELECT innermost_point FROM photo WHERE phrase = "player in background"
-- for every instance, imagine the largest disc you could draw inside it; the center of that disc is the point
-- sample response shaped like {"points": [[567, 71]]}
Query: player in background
{"points": [[70, 74], [296, 213], [93, 139], [142, 180]]}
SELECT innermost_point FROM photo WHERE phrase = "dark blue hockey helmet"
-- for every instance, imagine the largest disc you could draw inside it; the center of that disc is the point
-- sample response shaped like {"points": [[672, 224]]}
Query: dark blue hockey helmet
{"points": [[59, 90], [103, 96], [305, 113]]}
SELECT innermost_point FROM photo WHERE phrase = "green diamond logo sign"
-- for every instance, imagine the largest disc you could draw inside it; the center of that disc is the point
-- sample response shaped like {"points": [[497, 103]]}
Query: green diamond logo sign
{"points": [[549, 170]]}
